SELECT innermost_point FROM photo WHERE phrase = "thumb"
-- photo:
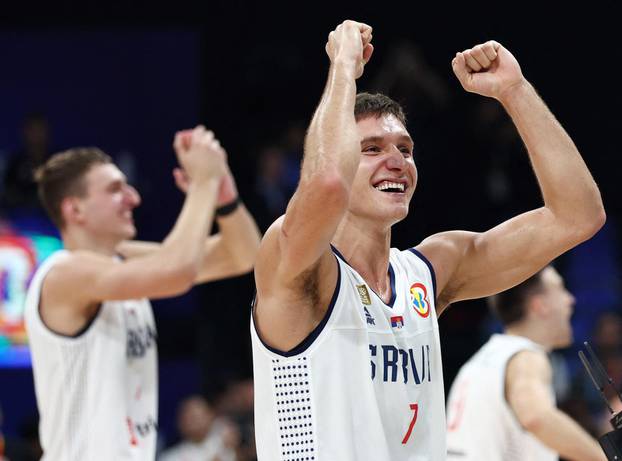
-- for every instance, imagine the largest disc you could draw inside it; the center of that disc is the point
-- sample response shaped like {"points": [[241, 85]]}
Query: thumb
{"points": [[181, 179], [367, 52], [458, 65]]}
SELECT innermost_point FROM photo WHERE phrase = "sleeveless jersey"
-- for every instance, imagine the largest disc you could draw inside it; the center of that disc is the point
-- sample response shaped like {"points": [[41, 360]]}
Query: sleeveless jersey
{"points": [[481, 425], [96, 391], [366, 384]]}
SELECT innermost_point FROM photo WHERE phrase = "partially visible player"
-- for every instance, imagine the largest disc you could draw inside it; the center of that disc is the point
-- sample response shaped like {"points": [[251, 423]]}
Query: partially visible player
{"points": [[90, 325], [501, 406]]}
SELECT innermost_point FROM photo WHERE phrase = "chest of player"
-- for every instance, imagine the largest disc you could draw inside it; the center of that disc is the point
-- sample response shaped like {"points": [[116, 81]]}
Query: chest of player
{"points": [[408, 312]]}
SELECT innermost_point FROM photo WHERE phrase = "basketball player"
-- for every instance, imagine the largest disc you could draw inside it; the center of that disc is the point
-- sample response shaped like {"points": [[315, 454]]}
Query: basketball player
{"points": [[345, 336], [90, 326], [501, 406]]}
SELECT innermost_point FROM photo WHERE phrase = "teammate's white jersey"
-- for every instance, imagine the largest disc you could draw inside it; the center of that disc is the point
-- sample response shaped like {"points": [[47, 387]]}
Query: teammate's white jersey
{"points": [[366, 384], [481, 425], [96, 391]]}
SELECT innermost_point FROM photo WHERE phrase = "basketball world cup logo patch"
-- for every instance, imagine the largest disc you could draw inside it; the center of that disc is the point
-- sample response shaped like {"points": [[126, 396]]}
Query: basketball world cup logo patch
{"points": [[419, 299]]}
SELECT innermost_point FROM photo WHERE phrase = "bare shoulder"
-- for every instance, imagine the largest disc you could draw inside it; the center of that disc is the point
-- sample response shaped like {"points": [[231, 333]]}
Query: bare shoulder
{"points": [[73, 277], [287, 309], [528, 363], [66, 302]]}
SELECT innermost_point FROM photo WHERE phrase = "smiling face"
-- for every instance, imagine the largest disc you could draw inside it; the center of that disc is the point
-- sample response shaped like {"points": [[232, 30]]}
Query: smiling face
{"points": [[386, 177], [106, 208]]}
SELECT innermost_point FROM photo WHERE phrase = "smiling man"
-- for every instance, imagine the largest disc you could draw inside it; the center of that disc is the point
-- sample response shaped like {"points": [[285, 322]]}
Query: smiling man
{"points": [[90, 325], [346, 347]]}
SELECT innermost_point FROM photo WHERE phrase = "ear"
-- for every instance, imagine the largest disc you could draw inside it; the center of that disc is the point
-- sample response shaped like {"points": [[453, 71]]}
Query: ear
{"points": [[537, 306], [71, 210]]}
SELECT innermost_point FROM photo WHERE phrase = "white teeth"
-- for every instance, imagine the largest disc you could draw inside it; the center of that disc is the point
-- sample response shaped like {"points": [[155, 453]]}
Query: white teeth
{"points": [[390, 185]]}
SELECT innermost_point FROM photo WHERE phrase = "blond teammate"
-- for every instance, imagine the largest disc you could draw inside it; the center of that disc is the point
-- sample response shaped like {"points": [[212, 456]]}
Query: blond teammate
{"points": [[330, 356], [90, 326]]}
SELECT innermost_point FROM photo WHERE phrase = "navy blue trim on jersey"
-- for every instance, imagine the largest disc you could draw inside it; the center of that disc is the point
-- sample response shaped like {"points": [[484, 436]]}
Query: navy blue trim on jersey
{"points": [[391, 279], [429, 264], [77, 334], [338, 253], [305, 343]]}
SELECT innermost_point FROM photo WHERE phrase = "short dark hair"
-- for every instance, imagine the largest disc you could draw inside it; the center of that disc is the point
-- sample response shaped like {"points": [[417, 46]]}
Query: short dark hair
{"points": [[377, 105], [62, 176], [509, 305]]}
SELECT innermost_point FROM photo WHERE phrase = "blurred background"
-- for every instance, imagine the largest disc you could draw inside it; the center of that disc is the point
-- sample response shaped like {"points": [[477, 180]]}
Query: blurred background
{"points": [[125, 76]]}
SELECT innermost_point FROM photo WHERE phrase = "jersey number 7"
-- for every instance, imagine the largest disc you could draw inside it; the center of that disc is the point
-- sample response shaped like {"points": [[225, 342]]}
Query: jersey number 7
{"points": [[415, 408]]}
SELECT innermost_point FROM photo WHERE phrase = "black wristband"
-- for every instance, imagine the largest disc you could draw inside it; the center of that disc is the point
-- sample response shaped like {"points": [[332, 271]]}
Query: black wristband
{"points": [[229, 207]]}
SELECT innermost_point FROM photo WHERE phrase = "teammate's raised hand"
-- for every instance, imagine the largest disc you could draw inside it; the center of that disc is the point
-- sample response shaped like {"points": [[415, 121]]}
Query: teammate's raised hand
{"points": [[200, 155], [350, 44], [227, 191], [487, 69]]}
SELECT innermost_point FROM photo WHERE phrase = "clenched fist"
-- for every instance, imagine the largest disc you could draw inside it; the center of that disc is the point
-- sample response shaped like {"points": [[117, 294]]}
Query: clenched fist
{"points": [[350, 44], [487, 69]]}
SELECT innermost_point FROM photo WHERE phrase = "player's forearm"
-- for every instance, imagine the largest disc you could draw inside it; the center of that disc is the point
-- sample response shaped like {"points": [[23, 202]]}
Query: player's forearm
{"points": [[241, 237], [568, 188], [332, 143], [559, 432], [183, 247]]}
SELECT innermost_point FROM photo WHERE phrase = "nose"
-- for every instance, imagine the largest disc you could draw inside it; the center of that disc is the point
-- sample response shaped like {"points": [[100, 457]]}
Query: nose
{"points": [[132, 196], [573, 301], [395, 160]]}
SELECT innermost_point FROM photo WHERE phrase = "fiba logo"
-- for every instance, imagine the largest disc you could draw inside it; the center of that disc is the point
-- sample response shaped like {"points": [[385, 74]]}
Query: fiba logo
{"points": [[419, 299]]}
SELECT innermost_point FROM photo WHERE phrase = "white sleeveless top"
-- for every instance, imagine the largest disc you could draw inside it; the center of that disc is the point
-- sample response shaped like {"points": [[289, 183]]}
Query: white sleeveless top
{"points": [[96, 391], [367, 383], [481, 425]]}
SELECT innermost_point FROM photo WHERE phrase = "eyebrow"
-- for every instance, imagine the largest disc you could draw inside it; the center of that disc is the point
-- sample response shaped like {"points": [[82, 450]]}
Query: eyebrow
{"points": [[117, 181], [378, 139]]}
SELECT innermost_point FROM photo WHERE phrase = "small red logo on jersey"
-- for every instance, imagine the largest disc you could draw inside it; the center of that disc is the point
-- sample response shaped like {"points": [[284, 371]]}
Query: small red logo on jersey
{"points": [[419, 299]]}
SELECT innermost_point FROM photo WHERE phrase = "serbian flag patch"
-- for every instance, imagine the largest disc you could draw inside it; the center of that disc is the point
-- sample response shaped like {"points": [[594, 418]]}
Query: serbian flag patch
{"points": [[397, 322]]}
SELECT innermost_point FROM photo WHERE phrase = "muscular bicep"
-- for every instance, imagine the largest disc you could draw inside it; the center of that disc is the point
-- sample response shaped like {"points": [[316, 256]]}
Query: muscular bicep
{"points": [[474, 265]]}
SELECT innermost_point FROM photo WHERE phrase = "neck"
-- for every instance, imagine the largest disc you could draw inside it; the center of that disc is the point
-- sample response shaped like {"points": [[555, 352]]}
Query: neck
{"points": [[75, 240], [535, 333], [366, 248]]}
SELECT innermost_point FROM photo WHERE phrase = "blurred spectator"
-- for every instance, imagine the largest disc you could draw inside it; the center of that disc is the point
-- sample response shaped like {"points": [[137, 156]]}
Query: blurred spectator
{"points": [[20, 190], [607, 344], [204, 437], [237, 403], [271, 190], [608, 335]]}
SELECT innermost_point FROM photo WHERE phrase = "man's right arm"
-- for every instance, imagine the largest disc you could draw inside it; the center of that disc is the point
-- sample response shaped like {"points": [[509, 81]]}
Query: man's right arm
{"points": [[295, 251], [331, 157], [528, 387]]}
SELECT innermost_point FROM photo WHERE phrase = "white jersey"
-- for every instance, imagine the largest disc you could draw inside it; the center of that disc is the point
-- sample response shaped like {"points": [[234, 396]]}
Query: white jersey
{"points": [[366, 384], [481, 425], [97, 390]]}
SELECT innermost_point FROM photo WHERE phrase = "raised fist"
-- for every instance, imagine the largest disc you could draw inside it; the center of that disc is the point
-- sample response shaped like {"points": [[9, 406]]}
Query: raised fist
{"points": [[350, 44], [487, 69], [200, 154]]}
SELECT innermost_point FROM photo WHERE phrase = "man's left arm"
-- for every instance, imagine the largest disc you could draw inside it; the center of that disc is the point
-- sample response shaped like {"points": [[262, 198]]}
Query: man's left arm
{"points": [[230, 252], [472, 265]]}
